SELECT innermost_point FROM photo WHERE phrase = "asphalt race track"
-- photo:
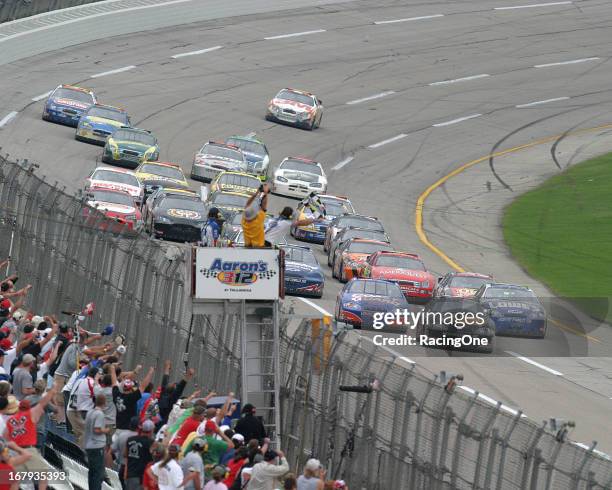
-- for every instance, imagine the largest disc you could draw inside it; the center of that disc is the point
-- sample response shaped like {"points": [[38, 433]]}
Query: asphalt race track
{"points": [[412, 91]]}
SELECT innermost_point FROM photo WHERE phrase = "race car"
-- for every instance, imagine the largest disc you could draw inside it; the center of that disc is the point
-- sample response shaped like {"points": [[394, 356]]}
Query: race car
{"points": [[356, 221], [303, 274], [99, 122], [349, 258], [299, 177], [175, 214], [406, 269], [67, 103], [116, 179], [116, 205], [297, 108], [333, 206], [460, 284], [235, 237], [514, 310], [130, 147], [352, 232], [360, 299], [160, 174], [235, 182], [214, 158], [255, 152], [227, 203]]}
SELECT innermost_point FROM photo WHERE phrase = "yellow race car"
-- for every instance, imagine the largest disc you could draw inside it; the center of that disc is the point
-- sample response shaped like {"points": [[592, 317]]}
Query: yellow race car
{"points": [[235, 182], [160, 174], [100, 122]]}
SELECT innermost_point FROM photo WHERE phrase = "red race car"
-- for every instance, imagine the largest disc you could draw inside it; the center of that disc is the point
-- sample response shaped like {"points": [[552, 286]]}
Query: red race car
{"points": [[406, 269], [118, 206], [460, 284], [350, 256]]}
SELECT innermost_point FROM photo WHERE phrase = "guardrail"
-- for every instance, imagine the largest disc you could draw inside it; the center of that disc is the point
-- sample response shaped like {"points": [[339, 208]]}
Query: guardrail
{"points": [[17, 9]]}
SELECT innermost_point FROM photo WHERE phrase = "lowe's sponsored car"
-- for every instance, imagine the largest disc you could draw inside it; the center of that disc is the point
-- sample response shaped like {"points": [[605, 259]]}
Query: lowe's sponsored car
{"points": [[67, 103], [514, 310], [361, 299], [303, 274], [232, 273], [99, 122]]}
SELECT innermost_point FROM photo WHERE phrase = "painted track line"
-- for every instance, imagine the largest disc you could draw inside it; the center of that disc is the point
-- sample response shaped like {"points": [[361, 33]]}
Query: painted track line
{"points": [[455, 121], [113, 72], [371, 97], [294, 34], [387, 141], [540, 102], [534, 5], [534, 363], [87, 17], [193, 53], [408, 19], [41, 96], [315, 306], [570, 62], [457, 80], [8, 118], [344, 162]]}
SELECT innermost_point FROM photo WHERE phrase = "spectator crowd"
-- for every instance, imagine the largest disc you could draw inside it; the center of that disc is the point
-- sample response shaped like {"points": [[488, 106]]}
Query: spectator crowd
{"points": [[55, 375]]}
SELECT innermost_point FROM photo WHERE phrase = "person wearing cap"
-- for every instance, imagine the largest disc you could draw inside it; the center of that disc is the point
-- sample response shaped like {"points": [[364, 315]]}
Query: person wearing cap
{"points": [[23, 384], [193, 465], [158, 451], [94, 442], [41, 427], [217, 475], [81, 401], [167, 472], [189, 425], [313, 477], [126, 397], [138, 455], [265, 474], [212, 228], [254, 216], [21, 430], [216, 447], [250, 426], [237, 442]]}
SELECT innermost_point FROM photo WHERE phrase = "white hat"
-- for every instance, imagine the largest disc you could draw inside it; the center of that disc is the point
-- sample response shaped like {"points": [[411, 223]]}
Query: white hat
{"points": [[224, 428], [18, 315], [238, 437], [313, 465], [37, 320]]}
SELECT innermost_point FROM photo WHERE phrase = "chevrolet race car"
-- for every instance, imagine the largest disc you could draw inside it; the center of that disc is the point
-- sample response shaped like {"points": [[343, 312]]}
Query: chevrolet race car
{"points": [[161, 174], [356, 221], [235, 182], [303, 274], [349, 257], [299, 177], [334, 206], [407, 270], [227, 203], [255, 152], [460, 284], [235, 238], [297, 108], [116, 205], [99, 122], [67, 103], [116, 179], [130, 147], [360, 299], [513, 310], [175, 214], [352, 232], [215, 157]]}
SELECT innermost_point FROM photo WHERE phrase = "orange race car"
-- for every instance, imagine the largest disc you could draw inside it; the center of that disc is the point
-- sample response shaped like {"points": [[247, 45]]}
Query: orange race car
{"points": [[351, 255]]}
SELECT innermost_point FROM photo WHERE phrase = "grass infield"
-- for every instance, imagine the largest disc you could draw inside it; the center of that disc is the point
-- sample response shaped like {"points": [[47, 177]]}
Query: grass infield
{"points": [[561, 233]]}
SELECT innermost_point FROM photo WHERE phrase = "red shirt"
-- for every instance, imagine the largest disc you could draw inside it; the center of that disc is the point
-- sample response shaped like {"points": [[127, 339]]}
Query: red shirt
{"points": [[147, 483], [5, 482], [190, 425], [233, 469], [21, 429]]}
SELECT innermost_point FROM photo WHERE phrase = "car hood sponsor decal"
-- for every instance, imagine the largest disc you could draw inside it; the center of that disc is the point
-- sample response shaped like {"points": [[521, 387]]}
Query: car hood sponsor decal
{"points": [[398, 273], [183, 213], [101, 121], [290, 104], [291, 266], [463, 292], [131, 145], [149, 178], [112, 207], [105, 184], [357, 257], [71, 103], [300, 176]]}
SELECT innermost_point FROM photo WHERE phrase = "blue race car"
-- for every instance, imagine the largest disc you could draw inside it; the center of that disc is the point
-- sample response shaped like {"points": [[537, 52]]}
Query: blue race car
{"points": [[361, 299], [315, 233], [67, 103], [99, 122], [515, 311], [303, 274]]}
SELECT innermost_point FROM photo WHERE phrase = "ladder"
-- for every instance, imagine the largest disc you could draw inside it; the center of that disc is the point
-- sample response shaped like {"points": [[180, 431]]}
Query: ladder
{"points": [[261, 362]]}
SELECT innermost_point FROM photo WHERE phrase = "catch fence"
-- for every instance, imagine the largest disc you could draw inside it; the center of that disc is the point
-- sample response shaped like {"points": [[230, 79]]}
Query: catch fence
{"points": [[17, 9]]}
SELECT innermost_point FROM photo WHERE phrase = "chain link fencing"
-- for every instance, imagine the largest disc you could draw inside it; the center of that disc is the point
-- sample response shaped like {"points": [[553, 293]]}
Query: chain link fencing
{"points": [[17, 9], [414, 433]]}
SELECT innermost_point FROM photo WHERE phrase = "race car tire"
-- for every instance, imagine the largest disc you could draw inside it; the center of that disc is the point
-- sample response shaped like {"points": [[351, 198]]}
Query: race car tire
{"points": [[268, 117], [342, 276], [310, 126], [319, 121], [329, 260], [334, 270]]}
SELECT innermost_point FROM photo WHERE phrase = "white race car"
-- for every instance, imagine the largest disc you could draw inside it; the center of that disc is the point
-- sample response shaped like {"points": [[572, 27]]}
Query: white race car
{"points": [[299, 177], [116, 179], [297, 108]]}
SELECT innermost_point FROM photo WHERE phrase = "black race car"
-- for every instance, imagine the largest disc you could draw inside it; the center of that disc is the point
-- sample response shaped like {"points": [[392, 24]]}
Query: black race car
{"points": [[174, 214]]}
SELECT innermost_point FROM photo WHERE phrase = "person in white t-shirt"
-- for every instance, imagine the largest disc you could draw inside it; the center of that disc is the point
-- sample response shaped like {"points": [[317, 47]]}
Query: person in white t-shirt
{"points": [[81, 401], [168, 473], [277, 228]]}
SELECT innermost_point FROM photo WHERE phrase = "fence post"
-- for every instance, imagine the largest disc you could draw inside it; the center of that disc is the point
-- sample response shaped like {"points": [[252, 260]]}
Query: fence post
{"points": [[460, 429], [484, 439], [577, 476], [504, 448], [530, 455], [535, 470], [416, 459]]}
